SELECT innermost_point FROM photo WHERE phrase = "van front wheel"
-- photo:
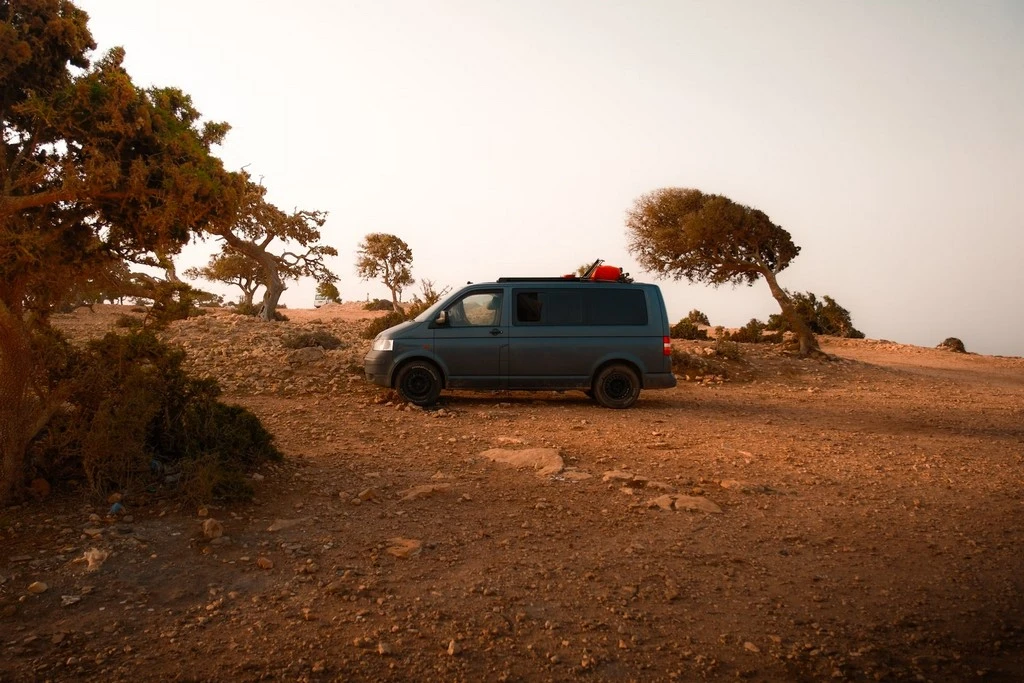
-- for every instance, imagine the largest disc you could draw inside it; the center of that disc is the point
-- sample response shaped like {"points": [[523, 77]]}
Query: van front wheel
{"points": [[419, 383], [617, 386]]}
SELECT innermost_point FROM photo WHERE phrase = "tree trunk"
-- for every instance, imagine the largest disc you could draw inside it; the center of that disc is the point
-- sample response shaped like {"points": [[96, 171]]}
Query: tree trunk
{"points": [[804, 335], [394, 302], [271, 297]]}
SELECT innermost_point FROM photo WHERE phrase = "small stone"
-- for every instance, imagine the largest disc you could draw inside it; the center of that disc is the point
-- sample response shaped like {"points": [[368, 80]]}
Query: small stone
{"points": [[368, 494], [696, 504], [212, 528], [750, 647], [282, 524], [404, 547], [453, 648], [203, 511], [385, 649], [37, 587], [265, 563]]}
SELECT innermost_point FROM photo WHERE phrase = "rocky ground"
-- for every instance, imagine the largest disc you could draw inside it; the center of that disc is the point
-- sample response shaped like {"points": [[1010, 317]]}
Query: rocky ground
{"points": [[770, 519]]}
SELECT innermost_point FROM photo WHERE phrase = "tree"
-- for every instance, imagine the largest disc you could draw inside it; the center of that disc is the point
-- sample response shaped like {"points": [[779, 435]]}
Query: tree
{"points": [[257, 224], [684, 233], [231, 268], [389, 258], [697, 318], [95, 172], [329, 291], [823, 316]]}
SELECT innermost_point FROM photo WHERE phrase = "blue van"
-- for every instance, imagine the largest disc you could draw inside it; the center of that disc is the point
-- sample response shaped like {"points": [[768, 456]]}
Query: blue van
{"points": [[607, 338]]}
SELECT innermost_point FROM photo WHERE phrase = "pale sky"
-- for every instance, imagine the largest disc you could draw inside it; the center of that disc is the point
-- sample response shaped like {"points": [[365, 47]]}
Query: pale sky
{"points": [[501, 137]]}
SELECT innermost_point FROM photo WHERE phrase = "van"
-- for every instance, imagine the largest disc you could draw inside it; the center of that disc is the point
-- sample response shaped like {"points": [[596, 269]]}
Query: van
{"points": [[607, 338]]}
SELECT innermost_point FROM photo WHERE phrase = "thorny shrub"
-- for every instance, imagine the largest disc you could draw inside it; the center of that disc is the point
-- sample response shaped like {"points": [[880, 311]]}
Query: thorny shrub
{"points": [[379, 305], [378, 325], [321, 338], [134, 418], [953, 344]]}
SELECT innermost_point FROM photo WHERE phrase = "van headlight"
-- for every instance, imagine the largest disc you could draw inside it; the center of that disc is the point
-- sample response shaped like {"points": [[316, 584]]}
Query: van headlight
{"points": [[383, 344]]}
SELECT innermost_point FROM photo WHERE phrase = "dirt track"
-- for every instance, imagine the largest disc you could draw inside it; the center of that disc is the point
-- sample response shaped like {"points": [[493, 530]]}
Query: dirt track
{"points": [[869, 530]]}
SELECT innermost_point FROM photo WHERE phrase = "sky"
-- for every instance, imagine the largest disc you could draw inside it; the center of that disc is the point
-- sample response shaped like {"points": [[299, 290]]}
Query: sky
{"points": [[502, 138]]}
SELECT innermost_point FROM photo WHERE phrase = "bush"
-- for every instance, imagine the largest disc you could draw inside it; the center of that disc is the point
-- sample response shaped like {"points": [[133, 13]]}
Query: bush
{"points": [[134, 417], [380, 324], [691, 365], [321, 338], [254, 310], [379, 305], [129, 322], [753, 333], [823, 317], [687, 329], [729, 350], [697, 317], [953, 344]]}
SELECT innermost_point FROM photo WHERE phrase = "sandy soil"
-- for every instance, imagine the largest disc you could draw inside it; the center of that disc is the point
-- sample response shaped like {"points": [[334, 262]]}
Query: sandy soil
{"points": [[857, 520]]}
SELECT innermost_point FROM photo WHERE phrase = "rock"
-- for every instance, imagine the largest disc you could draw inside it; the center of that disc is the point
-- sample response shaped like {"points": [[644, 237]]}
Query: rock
{"points": [[744, 486], [368, 494], [212, 528], [750, 647], [425, 491], [404, 547], [664, 502], [696, 504], [68, 600], [617, 475], [94, 559], [265, 563], [306, 355], [282, 524], [546, 461], [37, 587], [576, 475], [453, 648], [385, 649]]}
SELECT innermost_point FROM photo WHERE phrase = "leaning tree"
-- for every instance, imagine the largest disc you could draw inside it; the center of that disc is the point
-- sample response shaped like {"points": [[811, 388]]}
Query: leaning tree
{"points": [[255, 227], [95, 172], [685, 233]]}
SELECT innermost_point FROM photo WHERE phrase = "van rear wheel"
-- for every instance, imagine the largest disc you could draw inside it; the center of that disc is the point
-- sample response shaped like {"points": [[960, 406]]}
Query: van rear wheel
{"points": [[419, 383], [617, 386]]}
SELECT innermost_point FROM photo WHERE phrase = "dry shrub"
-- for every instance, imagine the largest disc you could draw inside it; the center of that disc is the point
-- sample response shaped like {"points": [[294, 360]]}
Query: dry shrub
{"points": [[953, 344], [379, 305], [135, 417], [378, 325], [321, 338]]}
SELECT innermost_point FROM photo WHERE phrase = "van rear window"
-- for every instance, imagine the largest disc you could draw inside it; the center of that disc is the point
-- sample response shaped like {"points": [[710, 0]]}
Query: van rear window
{"points": [[580, 307]]}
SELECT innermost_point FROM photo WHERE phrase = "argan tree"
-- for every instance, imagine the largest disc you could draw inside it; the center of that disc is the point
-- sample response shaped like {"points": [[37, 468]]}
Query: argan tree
{"points": [[389, 258], [255, 227], [231, 268], [823, 316], [707, 238], [329, 291], [95, 172]]}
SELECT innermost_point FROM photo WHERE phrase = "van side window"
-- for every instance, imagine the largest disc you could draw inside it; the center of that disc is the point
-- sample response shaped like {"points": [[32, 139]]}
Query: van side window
{"points": [[616, 307], [581, 306], [479, 309]]}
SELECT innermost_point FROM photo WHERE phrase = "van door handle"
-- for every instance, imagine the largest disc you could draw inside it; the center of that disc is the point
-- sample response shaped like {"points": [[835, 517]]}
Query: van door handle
{"points": [[495, 331]]}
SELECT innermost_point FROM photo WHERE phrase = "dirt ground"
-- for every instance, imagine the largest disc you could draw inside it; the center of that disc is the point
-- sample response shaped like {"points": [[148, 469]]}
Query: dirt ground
{"points": [[854, 519]]}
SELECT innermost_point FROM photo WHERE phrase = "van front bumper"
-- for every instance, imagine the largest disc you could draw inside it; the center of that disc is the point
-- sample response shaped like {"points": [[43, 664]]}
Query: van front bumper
{"points": [[377, 365]]}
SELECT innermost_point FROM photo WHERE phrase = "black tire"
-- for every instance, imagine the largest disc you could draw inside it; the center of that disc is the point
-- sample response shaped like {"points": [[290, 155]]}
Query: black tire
{"points": [[419, 383], [617, 386]]}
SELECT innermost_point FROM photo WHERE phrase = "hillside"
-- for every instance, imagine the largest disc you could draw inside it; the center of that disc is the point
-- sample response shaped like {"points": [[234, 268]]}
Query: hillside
{"points": [[771, 519]]}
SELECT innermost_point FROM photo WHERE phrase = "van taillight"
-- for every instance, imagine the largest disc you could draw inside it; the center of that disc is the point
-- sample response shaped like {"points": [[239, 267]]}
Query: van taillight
{"points": [[667, 348]]}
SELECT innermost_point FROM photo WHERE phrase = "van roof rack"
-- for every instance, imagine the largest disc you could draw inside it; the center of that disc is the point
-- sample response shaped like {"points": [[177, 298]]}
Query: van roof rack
{"points": [[594, 273]]}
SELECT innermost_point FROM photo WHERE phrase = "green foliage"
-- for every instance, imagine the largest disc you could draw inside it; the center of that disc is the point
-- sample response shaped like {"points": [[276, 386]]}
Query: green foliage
{"points": [[753, 333], [389, 258], [378, 305], [378, 325], [823, 316], [729, 350], [953, 344], [697, 317], [321, 338], [687, 329], [136, 418], [685, 233], [329, 291]]}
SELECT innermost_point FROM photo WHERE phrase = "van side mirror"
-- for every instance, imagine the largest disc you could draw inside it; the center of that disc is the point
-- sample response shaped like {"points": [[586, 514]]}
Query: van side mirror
{"points": [[442, 318]]}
